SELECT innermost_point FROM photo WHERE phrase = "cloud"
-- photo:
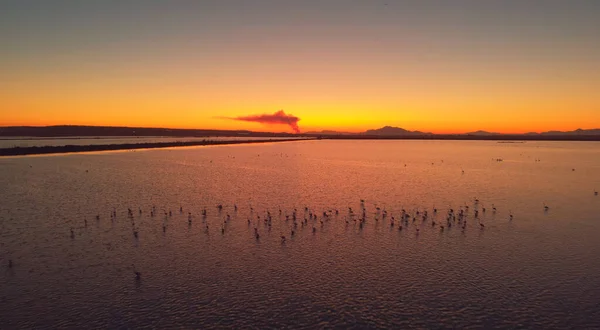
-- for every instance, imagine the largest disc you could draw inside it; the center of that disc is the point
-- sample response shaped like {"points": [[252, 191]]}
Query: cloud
{"points": [[278, 118]]}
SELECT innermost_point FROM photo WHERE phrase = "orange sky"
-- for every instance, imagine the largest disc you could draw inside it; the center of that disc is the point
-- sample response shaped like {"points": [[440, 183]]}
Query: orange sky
{"points": [[352, 68]]}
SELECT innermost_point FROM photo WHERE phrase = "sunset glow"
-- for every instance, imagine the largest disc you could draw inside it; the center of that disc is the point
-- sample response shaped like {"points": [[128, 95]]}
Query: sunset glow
{"points": [[432, 66]]}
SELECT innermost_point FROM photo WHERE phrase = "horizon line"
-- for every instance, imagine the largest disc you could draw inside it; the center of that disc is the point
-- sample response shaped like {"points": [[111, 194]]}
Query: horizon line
{"points": [[312, 132]]}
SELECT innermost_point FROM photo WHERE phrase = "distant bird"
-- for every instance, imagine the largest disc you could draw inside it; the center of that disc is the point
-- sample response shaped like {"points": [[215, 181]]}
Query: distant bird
{"points": [[596, 193], [138, 275]]}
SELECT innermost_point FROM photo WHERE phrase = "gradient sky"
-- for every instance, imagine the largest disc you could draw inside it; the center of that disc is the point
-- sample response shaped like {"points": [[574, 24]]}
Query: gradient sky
{"points": [[439, 66]]}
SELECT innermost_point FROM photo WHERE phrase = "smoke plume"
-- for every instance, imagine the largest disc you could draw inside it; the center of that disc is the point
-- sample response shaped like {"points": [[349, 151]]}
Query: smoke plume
{"points": [[278, 117]]}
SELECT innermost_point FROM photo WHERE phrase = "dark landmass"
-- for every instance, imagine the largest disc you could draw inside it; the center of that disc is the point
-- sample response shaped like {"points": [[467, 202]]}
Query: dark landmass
{"points": [[22, 151], [482, 133], [392, 131], [92, 131], [575, 132], [387, 132], [501, 137]]}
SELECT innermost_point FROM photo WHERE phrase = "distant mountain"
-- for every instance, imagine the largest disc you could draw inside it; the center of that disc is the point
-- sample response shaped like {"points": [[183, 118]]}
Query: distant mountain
{"points": [[392, 131], [482, 133], [579, 131], [575, 132]]}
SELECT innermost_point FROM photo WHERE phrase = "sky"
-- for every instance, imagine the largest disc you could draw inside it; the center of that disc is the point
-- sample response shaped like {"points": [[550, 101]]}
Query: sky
{"points": [[442, 66]]}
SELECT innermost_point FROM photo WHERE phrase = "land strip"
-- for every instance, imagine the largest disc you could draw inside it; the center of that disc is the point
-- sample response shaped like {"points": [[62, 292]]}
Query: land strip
{"points": [[22, 151]]}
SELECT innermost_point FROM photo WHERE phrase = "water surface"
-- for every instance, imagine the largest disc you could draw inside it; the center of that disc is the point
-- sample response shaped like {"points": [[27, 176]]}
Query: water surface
{"points": [[538, 270]]}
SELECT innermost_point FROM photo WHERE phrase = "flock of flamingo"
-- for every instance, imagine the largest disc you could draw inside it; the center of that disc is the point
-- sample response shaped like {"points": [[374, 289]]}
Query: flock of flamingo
{"points": [[296, 220]]}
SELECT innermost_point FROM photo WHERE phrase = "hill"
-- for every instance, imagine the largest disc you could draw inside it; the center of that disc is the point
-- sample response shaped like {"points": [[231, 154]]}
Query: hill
{"points": [[392, 131]]}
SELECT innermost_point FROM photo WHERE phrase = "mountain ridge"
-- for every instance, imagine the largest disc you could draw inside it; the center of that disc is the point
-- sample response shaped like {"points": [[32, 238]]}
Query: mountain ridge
{"points": [[391, 130]]}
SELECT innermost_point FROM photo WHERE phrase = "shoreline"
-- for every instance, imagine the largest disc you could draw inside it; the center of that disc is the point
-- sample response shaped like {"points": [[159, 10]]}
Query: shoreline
{"points": [[66, 149], [457, 137]]}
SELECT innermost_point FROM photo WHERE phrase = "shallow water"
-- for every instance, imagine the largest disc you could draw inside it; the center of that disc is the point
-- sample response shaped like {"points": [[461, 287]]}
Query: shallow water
{"points": [[538, 270]]}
